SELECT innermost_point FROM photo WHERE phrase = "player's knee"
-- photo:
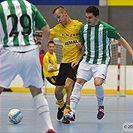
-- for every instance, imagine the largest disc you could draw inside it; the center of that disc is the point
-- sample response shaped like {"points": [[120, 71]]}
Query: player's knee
{"points": [[69, 86], [98, 81]]}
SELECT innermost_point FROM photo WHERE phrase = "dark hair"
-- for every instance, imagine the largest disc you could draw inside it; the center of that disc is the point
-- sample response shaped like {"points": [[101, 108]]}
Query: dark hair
{"points": [[42, 52], [93, 9], [61, 8], [39, 43], [51, 42]]}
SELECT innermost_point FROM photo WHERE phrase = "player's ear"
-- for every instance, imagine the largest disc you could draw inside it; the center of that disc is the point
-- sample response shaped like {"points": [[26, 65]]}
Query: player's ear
{"points": [[65, 13]]}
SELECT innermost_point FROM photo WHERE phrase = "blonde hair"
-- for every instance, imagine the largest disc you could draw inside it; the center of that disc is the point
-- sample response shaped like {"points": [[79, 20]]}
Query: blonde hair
{"points": [[60, 8]]}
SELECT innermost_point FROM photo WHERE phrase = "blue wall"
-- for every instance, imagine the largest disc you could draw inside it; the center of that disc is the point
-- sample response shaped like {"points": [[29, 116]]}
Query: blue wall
{"points": [[63, 2]]}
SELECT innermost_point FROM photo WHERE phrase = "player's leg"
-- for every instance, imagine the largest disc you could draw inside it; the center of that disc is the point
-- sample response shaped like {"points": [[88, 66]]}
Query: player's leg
{"points": [[52, 80], [69, 84], [8, 69], [60, 83], [83, 75], [99, 74], [74, 99], [60, 100], [30, 72], [69, 87], [100, 99], [41, 106], [70, 77]]}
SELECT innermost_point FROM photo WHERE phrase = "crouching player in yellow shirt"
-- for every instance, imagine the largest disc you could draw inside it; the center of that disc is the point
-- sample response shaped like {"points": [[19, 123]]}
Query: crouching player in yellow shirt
{"points": [[50, 69]]}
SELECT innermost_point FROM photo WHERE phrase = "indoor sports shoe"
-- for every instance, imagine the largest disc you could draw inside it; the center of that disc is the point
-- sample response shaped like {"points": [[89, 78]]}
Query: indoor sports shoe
{"points": [[100, 112], [60, 112], [70, 116], [51, 131], [65, 121]]}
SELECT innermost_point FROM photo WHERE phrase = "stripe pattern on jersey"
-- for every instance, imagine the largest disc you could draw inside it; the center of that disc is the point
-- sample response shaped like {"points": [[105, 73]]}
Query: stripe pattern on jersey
{"points": [[97, 44], [16, 23]]}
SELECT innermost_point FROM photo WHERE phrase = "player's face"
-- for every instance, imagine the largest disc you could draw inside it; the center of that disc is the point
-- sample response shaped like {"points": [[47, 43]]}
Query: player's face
{"points": [[60, 17], [91, 19], [51, 48]]}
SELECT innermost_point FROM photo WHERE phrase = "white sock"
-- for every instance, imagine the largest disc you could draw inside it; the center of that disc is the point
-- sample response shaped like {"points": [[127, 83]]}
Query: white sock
{"points": [[43, 110], [75, 97], [100, 95]]}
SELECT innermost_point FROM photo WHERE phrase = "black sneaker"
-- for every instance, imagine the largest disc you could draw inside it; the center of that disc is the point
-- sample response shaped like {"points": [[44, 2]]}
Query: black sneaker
{"points": [[65, 121], [100, 112], [60, 112]]}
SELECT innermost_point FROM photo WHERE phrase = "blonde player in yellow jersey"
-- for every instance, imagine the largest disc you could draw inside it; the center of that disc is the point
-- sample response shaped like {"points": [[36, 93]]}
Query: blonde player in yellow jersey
{"points": [[67, 31]]}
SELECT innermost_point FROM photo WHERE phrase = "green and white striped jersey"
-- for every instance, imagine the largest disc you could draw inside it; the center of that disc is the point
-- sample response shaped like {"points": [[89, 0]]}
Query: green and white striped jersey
{"points": [[97, 41], [18, 21]]}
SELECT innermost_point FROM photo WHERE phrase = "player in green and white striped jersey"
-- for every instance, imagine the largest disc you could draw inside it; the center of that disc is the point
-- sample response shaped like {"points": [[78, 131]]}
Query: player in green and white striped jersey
{"points": [[19, 53], [96, 37], [97, 42]]}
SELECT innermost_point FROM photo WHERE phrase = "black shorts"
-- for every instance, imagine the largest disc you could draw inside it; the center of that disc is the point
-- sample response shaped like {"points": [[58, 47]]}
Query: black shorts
{"points": [[52, 80], [66, 71]]}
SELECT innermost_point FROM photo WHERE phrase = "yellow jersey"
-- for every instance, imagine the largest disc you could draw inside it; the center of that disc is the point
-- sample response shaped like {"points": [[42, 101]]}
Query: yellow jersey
{"points": [[49, 62], [68, 35]]}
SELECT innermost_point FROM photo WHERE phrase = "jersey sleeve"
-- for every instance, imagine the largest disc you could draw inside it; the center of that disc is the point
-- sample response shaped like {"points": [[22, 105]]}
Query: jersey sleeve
{"points": [[53, 33], [40, 21], [112, 33]]}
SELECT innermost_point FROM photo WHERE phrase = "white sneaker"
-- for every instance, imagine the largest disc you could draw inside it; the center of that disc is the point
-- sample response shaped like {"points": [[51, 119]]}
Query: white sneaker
{"points": [[70, 116]]}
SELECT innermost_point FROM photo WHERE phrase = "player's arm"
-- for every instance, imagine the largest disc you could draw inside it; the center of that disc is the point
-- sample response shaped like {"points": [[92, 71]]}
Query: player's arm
{"points": [[75, 63], [80, 46], [112, 33], [126, 45], [53, 69], [48, 66], [45, 34], [41, 24]]}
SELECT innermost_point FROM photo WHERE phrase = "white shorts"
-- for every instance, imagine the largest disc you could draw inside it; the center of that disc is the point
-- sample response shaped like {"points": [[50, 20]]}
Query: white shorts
{"points": [[86, 71], [27, 65]]}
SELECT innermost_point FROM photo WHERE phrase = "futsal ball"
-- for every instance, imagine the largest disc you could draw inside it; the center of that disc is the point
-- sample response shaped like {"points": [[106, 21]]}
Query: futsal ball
{"points": [[15, 116]]}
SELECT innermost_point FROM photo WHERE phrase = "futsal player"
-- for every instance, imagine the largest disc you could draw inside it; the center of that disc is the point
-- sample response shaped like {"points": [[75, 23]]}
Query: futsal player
{"points": [[19, 53], [96, 37]]}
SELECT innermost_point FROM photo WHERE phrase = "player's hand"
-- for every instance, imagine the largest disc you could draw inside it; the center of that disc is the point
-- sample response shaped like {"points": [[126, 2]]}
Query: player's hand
{"points": [[74, 64], [79, 45]]}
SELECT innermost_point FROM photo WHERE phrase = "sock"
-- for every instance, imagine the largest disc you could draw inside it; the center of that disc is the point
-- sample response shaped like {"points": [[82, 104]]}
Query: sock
{"points": [[75, 97], [61, 103], [100, 95], [43, 110], [67, 109]]}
